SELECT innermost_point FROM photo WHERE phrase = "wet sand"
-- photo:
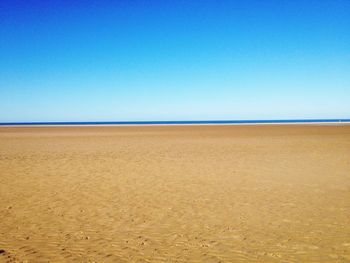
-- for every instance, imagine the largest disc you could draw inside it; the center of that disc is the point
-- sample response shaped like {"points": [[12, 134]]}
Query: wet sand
{"points": [[267, 193]]}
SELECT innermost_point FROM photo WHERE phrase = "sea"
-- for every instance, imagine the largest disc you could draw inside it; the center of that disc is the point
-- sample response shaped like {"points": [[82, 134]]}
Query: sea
{"points": [[184, 122]]}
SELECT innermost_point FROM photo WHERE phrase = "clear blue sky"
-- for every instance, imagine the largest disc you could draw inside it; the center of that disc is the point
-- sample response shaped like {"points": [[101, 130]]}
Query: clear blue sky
{"points": [[174, 60]]}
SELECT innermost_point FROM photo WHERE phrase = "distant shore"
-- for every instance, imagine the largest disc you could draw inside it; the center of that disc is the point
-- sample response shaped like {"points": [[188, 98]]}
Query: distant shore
{"points": [[200, 122]]}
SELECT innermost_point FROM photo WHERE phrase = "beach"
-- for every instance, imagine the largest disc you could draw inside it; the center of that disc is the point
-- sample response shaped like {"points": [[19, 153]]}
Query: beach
{"points": [[191, 193]]}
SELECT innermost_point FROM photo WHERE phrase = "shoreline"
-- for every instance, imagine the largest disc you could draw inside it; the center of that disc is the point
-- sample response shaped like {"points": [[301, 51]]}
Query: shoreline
{"points": [[312, 123]]}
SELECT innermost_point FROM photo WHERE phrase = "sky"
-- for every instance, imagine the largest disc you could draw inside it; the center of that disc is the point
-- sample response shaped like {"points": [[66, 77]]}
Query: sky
{"points": [[174, 60]]}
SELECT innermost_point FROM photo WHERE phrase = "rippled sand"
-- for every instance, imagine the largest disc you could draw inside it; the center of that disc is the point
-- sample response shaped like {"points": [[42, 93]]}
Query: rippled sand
{"points": [[274, 193]]}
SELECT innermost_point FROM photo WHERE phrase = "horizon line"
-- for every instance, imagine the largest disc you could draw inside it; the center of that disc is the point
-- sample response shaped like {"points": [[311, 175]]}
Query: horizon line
{"points": [[240, 121]]}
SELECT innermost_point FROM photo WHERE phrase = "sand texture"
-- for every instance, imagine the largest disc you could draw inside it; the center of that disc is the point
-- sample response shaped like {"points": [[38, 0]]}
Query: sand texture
{"points": [[265, 193]]}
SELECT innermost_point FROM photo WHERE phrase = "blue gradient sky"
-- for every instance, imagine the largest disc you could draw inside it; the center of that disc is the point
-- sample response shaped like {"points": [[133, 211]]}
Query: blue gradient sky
{"points": [[174, 60]]}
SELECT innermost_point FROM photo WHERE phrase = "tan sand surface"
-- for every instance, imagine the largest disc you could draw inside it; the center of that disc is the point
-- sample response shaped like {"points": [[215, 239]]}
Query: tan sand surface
{"points": [[274, 193]]}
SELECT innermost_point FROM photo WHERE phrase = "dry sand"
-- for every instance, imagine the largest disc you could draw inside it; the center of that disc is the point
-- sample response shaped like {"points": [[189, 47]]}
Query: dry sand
{"points": [[274, 193]]}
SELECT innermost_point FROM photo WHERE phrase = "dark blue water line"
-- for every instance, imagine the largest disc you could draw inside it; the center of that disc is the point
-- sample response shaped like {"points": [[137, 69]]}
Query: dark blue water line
{"points": [[172, 122]]}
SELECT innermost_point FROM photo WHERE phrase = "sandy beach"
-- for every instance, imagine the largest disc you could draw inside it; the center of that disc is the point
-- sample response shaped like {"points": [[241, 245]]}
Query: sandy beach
{"points": [[209, 193]]}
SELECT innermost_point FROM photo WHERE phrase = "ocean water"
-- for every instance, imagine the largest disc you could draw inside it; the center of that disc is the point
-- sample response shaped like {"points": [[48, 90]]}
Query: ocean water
{"points": [[176, 122]]}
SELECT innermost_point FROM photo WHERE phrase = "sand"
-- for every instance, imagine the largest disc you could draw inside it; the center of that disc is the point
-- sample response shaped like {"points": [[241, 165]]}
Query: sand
{"points": [[267, 193]]}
